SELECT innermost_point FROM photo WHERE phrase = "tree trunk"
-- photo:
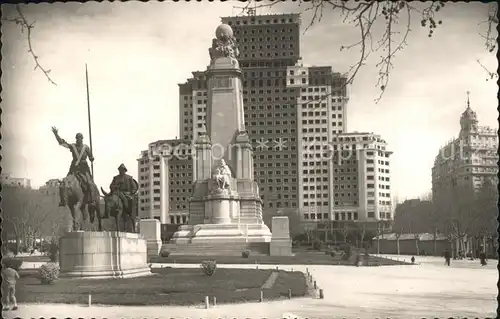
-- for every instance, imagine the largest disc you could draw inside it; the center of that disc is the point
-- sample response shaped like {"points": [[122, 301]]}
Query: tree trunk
{"points": [[397, 244], [416, 246]]}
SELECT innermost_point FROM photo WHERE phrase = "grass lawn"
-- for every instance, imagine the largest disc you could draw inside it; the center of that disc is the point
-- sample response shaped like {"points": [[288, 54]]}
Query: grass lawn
{"points": [[300, 258], [168, 286]]}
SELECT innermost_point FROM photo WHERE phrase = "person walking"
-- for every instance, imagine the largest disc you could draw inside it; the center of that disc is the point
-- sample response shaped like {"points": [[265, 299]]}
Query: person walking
{"points": [[482, 258], [9, 279], [447, 257]]}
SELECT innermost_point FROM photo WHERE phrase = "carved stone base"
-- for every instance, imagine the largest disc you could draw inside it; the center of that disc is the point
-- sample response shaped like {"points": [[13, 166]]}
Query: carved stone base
{"points": [[103, 255], [220, 233]]}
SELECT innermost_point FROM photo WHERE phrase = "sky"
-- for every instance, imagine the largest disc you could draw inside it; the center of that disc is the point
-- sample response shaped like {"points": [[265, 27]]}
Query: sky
{"points": [[138, 52]]}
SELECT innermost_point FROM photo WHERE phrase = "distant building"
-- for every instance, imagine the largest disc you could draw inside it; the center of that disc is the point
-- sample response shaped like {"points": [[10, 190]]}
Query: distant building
{"points": [[51, 187], [468, 160], [165, 173], [360, 187], [411, 244], [8, 180]]}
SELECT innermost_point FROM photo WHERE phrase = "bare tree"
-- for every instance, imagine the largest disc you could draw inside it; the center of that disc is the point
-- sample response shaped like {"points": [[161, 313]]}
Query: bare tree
{"points": [[27, 214], [27, 28], [364, 15]]}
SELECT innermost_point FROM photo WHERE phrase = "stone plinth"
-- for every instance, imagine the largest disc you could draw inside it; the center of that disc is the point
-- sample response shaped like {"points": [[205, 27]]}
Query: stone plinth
{"points": [[281, 244], [103, 255], [221, 207], [222, 233], [151, 231]]}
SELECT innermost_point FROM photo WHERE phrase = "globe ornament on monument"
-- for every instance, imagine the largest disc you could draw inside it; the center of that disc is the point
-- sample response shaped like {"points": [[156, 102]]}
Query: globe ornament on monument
{"points": [[224, 46], [224, 32]]}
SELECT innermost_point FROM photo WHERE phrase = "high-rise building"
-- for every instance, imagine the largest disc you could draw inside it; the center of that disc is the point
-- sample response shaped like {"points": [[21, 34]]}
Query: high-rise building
{"points": [[280, 96], [360, 188], [165, 181], [468, 160], [293, 115]]}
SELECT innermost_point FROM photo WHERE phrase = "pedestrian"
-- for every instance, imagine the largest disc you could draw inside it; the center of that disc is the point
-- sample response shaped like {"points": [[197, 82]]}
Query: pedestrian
{"points": [[482, 258], [412, 259], [9, 279], [447, 257]]}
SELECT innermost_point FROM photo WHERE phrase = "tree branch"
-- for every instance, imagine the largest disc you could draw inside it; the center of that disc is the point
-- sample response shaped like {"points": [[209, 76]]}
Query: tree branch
{"points": [[364, 14], [21, 21]]}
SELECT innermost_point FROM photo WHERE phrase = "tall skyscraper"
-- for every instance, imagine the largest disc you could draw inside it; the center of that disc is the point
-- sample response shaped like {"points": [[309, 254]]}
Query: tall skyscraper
{"points": [[294, 115]]}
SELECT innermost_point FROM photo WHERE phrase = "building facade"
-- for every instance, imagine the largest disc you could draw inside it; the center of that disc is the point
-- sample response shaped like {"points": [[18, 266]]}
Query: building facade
{"points": [[8, 180], [165, 172], [469, 160], [294, 114], [360, 179]]}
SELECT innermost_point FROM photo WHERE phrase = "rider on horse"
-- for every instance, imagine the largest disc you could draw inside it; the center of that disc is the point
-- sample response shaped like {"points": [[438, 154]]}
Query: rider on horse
{"points": [[79, 166], [125, 187]]}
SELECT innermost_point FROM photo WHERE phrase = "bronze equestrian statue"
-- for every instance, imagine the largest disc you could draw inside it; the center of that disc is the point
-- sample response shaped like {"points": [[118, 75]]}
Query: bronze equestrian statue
{"points": [[120, 201], [78, 188]]}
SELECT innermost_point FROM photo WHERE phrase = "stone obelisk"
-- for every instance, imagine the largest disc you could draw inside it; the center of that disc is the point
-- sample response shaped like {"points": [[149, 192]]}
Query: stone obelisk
{"points": [[225, 205]]}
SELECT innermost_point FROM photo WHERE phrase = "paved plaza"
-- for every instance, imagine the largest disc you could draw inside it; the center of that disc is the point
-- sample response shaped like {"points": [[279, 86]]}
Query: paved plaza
{"points": [[429, 289]]}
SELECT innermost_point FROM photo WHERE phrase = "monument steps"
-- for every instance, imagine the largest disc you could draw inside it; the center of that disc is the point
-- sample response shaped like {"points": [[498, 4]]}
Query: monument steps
{"points": [[216, 249]]}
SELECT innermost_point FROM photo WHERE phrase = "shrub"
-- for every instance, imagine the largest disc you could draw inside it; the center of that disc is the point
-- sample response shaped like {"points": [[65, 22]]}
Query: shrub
{"points": [[49, 273], [12, 263], [245, 253], [209, 267], [333, 253], [165, 253]]}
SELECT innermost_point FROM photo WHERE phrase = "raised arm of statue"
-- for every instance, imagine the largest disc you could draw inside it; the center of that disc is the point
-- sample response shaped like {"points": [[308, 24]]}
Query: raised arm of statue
{"points": [[61, 141]]}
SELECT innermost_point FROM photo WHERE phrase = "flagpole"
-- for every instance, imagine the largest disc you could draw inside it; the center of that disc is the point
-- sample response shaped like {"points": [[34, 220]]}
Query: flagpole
{"points": [[90, 125]]}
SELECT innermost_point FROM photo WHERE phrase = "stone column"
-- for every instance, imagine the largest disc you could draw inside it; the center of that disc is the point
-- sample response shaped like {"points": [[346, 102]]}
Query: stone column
{"points": [[164, 189], [203, 158], [150, 187]]}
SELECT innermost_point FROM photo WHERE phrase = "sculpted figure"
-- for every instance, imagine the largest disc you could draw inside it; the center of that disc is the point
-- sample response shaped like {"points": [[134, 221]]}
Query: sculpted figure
{"points": [[122, 198], [77, 189], [224, 45], [79, 166], [222, 176]]}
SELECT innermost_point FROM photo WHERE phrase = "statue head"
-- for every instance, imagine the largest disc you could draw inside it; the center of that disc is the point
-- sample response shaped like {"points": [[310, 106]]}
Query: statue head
{"points": [[79, 137], [222, 162], [223, 32], [122, 169]]}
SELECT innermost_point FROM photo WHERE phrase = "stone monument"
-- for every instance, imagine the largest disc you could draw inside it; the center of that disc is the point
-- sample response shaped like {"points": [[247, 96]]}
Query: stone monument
{"points": [[281, 243], [225, 206], [106, 254], [103, 254], [151, 230]]}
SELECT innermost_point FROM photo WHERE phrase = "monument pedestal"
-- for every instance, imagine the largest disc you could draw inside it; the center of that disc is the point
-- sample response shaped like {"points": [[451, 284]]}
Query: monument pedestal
{"points": [[281, 243], [102, 255], [222, 233], [151, 230]]}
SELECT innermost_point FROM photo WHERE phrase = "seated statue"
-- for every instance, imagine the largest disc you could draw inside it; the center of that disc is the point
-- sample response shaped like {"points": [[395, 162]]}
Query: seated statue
{"points": [[125, 186], [222, 176]]}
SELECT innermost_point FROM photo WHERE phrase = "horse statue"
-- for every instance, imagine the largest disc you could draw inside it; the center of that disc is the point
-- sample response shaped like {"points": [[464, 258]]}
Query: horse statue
{"points": [[72, 195], [114, 207]]}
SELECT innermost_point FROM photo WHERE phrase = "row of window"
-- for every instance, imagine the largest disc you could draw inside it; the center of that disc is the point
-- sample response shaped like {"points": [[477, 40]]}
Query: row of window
{"points": [[253, 20]]}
